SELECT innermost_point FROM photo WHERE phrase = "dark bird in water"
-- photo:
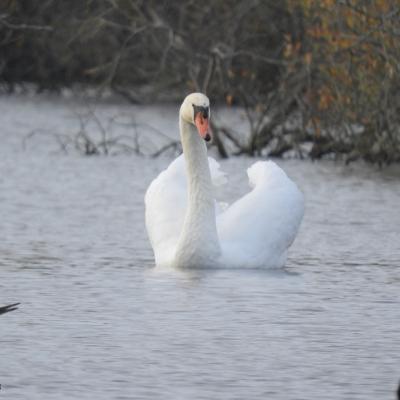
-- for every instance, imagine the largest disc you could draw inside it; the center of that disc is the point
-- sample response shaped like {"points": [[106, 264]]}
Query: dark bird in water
{"points": [[10, 307]]}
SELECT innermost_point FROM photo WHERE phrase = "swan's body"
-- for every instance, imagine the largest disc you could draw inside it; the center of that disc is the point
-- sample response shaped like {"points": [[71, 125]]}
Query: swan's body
{"points": [[183, 224]]}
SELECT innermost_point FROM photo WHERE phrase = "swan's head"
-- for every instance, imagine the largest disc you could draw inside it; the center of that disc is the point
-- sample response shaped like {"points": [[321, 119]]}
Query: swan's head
{"points": [[195, 110]]}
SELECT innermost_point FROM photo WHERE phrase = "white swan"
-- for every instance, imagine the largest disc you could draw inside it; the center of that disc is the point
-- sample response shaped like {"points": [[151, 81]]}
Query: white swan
{"points": [[183, 223]]}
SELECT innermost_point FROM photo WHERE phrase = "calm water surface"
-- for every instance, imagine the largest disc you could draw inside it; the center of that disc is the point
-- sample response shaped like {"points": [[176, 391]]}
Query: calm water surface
{"points": [[98, 321]]}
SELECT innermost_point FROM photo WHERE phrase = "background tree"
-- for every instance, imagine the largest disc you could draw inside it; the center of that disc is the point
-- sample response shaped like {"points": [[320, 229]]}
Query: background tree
{"points": [[351, 50], [313, 77]]}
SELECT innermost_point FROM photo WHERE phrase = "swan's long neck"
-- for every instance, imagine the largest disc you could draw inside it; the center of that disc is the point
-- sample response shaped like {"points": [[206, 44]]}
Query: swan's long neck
{"points": [[198, 245]]}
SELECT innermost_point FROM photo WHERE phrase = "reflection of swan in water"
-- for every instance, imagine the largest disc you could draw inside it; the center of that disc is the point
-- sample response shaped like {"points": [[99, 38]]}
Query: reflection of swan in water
{"points": [[187, 229], [10, 307]]}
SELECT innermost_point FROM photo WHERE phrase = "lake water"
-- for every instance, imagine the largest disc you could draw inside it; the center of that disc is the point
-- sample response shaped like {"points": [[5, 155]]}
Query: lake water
{"points": [[98, 321]]}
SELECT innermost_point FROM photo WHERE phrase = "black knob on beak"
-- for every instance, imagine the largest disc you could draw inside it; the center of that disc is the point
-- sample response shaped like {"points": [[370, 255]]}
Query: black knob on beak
{"points": [[207, 138]]}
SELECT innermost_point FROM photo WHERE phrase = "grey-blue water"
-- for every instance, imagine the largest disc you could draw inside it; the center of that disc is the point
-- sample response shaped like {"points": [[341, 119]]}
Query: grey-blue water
{"points": [[98, 321]]}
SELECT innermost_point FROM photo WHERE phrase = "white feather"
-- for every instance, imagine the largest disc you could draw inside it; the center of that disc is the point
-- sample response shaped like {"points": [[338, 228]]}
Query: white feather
{"points": [[187, 228]]}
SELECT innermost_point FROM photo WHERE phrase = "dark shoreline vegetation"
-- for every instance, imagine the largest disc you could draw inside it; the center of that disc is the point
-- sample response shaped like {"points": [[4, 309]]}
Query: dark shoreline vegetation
{"points": [[315, 78]]}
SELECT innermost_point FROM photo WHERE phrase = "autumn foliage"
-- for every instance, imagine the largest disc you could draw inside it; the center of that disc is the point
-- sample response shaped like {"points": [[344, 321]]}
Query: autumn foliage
{"points": [[351, 50], [314, 78]]}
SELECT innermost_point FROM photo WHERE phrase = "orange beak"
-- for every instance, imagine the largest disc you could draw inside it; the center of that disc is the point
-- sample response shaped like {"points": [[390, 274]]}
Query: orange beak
{"points": [[202, 126]]}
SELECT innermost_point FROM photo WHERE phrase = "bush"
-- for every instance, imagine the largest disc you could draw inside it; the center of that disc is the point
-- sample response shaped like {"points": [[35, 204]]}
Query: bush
{"points": [[319, 72]]}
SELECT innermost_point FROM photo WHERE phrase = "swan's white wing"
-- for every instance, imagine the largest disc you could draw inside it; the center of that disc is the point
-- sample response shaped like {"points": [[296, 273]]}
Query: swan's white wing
{"points": [[166, 200], [256, 230]]}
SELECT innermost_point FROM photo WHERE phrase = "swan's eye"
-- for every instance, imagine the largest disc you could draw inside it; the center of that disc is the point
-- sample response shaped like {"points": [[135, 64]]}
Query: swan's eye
{"points": [[201, 109], [200, 119]]}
